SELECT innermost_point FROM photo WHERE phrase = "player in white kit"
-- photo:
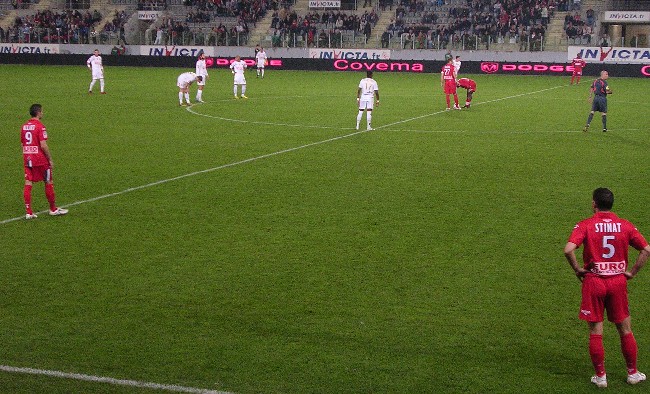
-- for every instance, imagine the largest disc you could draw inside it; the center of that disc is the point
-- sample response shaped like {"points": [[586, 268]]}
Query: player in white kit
{"points": [[261, 62], [202, 70], [238, 67], [183, 82], [96, 68], [366, 94], [456, 63]]}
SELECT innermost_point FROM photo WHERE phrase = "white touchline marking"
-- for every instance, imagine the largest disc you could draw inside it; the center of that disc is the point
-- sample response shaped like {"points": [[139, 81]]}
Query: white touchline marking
{"points": [[132, 189], [113, 381]]}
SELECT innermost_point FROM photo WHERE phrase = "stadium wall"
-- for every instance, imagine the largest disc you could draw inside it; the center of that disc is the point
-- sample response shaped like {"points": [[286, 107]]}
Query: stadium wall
{"points": [[526, 63]]}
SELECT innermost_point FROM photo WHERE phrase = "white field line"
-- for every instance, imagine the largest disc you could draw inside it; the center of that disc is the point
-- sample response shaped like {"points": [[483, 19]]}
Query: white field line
{"points": [[148, 185], [103, 379]]}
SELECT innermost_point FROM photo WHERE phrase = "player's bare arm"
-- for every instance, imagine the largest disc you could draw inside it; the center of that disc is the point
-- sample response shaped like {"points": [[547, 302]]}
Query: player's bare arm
{"points": [[639, 263], [569, 253], [46, 152]]}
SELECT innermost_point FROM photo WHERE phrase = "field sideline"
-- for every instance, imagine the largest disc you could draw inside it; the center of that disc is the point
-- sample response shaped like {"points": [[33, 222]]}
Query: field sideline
{"points": [[264, 245]]}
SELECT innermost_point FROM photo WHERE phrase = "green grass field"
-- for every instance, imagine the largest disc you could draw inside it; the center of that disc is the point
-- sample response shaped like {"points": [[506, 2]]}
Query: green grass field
{"points": [[264, 246]]}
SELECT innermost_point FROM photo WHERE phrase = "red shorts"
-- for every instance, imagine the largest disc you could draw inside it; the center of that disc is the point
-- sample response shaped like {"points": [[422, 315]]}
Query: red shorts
{"points": [[576, 72], [450, 86], [39, 173], [604, 293]]}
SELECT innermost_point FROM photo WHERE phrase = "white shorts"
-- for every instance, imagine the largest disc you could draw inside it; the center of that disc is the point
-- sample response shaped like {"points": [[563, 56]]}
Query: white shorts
{"points": [[239, 79], [366, 104], [182, 85], [98, 75], [260, 65], [202, 82]]}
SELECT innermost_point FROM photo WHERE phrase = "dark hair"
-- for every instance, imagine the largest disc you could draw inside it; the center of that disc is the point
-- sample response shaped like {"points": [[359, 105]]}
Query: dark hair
{"points": [[35, 109], [369, 74], [603, 198], [199, 78]]}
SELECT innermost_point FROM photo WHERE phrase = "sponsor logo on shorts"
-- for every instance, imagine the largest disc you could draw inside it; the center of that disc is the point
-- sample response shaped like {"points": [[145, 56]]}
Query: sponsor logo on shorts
{"points": [[607, 269], [585, 312]]}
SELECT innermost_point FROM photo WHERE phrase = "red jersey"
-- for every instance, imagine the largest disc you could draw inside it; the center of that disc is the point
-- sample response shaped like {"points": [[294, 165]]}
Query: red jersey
{"points": [[578, 64], [448, 72], [31, 135], [467, 83], [606, 238]]}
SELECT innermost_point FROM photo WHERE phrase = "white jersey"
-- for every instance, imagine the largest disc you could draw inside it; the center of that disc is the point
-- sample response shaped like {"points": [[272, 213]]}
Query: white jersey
{"points": [[456, 64], [202, 70], [95, 65], [368, 88], [185, 79], [238, 68], [261, 59]]}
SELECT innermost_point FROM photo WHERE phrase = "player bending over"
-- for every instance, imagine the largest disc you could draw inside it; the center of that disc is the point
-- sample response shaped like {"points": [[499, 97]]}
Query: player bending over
{"points": [[183, 82], [470, 85]]}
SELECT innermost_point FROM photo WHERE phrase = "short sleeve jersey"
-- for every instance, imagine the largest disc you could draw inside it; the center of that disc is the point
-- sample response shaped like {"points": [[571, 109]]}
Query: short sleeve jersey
{"points": [[95, 63], [467, 83], [31, 135], [606, 239], [368, 88], [578, 64], [457, 64], [599, 87], [261, 58], [201, 68], [238, 67], [448, 72]]}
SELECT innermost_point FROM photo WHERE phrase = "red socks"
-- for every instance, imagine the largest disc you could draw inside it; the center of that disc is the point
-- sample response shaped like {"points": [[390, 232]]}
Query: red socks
{"points": [[49, 193], [629, 348], [447, 97], [597, 353], [27, 195]]}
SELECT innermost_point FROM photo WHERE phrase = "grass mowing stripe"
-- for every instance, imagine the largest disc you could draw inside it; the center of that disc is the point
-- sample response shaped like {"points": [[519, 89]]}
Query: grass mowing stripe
{"points": [[264, 156], [113, 381]]}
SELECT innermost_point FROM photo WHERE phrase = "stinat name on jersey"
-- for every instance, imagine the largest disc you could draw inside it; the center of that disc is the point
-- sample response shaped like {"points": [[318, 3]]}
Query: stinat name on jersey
{"points": [[607, 227]]}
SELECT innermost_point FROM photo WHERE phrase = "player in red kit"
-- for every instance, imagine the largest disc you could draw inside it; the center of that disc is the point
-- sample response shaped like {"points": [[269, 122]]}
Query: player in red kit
{"points": [[38, 162], [448, 82], [604, 276], [470, 86], [578, 64]]}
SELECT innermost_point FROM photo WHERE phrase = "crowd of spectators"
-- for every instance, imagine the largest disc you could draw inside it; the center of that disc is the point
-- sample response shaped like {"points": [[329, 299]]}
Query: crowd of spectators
{"points": [[70, 26], [578, 29], [478, 22], [324, 28]]}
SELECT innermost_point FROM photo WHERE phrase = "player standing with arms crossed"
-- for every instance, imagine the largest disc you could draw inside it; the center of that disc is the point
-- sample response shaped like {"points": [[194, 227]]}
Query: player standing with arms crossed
{"points": [[367, 92], [578, 64], [237, 67], [261, 62], [598, 93], [202, 71], [38, 162], [96, 68], [448, 82], [604, 276]]}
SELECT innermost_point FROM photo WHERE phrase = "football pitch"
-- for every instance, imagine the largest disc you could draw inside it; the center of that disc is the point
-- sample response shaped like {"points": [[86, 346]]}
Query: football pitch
{"points": [[266, 246]]}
